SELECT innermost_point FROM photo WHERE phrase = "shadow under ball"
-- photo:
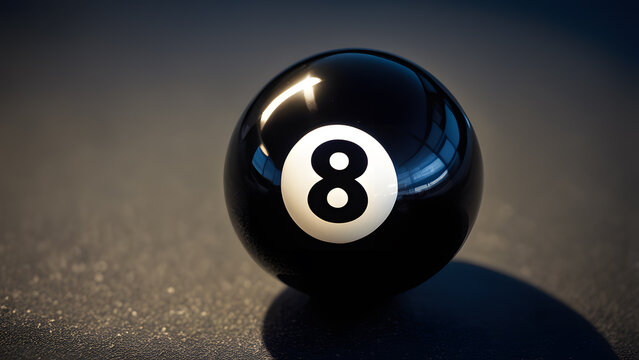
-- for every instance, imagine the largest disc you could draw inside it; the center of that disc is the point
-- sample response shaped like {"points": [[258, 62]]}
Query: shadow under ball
{"points": [[354, 173]]}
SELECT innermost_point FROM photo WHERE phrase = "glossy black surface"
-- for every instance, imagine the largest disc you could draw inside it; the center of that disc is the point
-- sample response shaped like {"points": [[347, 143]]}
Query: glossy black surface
{"points": [[431, 144]]}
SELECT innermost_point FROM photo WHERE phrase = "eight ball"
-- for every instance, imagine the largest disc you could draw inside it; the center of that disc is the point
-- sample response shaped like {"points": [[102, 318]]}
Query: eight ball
{"points": [[353, 173]]}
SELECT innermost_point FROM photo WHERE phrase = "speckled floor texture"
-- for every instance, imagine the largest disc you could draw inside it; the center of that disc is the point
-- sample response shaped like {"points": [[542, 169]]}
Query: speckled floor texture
{"points": [[114, 237]]}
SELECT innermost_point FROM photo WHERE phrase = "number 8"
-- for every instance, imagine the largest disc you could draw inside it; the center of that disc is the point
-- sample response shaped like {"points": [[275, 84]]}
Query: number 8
{"points": [[338, 184], [344, 179]]}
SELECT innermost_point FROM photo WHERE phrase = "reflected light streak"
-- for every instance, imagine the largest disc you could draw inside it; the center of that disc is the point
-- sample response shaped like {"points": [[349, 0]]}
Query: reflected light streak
{"points": [[432, 183], [303, 85], [309, 97], [263, 149]]}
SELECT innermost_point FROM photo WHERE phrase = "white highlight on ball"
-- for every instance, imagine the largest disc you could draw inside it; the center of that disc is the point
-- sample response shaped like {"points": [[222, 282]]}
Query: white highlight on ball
{"points": [[305, 85], [339, 161], [379, 180]]}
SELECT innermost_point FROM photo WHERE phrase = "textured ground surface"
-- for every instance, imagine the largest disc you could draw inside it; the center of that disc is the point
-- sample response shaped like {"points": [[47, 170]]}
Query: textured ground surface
{"points": [[114, 238]]}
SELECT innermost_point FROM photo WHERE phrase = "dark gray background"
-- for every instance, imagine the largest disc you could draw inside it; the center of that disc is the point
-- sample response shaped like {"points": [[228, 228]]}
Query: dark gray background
{"points": [[114, 237]]}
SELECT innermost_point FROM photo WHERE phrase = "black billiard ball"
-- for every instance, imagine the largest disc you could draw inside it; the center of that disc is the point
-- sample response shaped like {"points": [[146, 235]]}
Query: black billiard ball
{"points": [[353, 173]]}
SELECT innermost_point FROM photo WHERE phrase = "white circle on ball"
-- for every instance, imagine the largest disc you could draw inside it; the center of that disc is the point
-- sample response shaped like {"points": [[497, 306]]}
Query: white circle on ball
{"points": [[337, 198], [339, 161], [379, 180]]}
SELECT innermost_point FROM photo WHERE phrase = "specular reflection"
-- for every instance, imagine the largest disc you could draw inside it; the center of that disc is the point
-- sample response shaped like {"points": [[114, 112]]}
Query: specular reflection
{"points": [[440, 149], [305, 85], [437, 158], [265, 166], [261, 160]]}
